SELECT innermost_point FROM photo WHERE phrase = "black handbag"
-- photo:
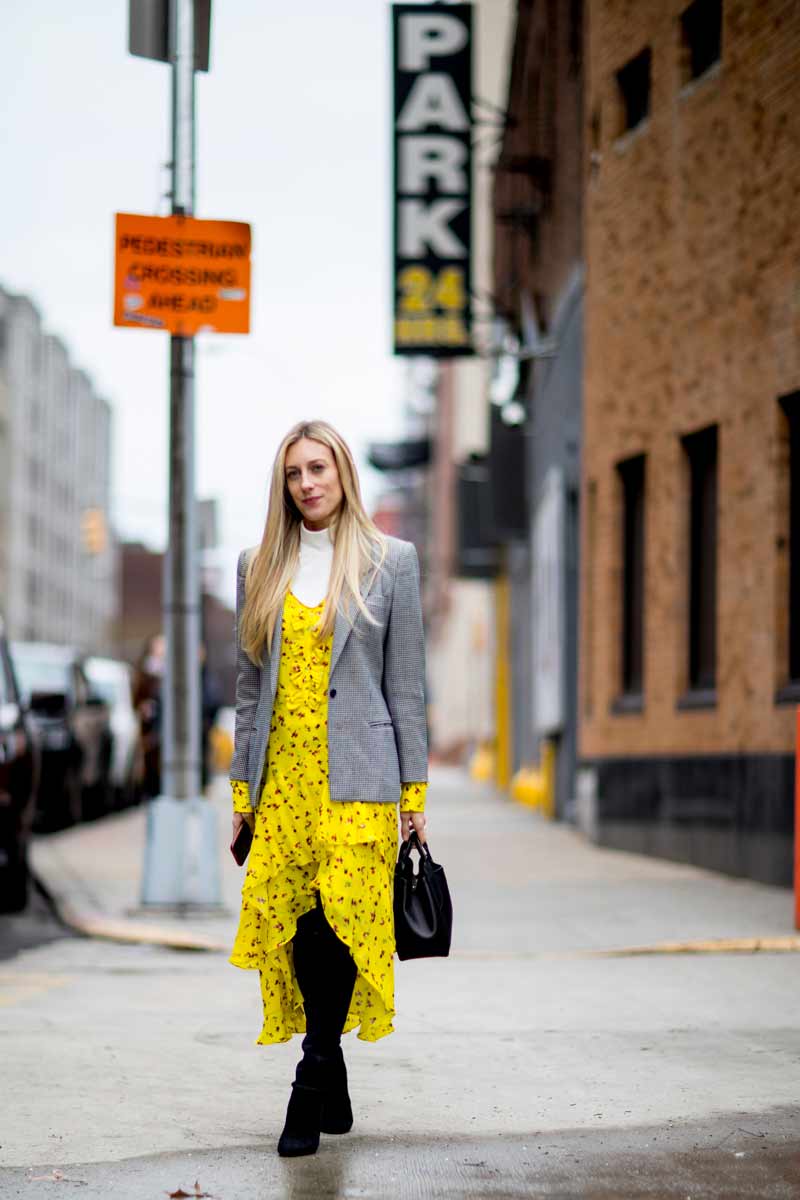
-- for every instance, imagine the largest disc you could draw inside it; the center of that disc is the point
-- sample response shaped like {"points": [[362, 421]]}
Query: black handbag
{"points": [[423, 911]]}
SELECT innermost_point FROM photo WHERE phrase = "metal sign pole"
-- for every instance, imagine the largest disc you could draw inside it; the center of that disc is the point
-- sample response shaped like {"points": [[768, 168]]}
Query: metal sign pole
{"points": [[180, 749], [181, 861], [797, 824]]}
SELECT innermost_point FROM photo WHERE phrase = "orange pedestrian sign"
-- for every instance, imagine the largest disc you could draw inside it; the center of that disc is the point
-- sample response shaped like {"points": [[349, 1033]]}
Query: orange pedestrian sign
{"points": [[182, 275]]}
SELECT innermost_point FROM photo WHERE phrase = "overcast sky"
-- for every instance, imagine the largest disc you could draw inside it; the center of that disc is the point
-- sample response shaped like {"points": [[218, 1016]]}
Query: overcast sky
{"points": [[293, 136]]}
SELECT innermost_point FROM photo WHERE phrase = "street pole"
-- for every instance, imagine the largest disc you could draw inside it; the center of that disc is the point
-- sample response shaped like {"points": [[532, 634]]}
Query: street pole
{"points": [[181, 859], [180, 749], [797, 822]]}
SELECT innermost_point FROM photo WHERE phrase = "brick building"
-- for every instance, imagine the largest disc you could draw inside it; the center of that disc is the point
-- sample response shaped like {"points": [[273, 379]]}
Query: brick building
{"points": [[140, 616], [539, 173], [690, 545], [458, 600], [535, 417]]}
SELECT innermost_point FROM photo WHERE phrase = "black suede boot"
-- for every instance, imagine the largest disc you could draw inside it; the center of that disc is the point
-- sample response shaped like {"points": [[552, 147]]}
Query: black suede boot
{"points": [[337, 1112], [304, 1113], [326, 975], [303, 1119]]}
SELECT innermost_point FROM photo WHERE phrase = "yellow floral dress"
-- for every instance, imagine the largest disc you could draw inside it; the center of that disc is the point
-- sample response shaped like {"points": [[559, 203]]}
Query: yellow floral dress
{"points": [[306, 843]]}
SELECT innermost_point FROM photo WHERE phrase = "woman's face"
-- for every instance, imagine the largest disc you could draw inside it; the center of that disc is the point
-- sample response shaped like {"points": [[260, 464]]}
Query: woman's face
{"points": [[312, 478]]}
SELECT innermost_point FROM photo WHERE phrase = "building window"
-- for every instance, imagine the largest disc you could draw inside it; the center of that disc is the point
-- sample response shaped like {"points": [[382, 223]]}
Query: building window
{"points": [[791, 407], [631, 475], [633, 89], [588, 594], [701, 37], [575, 37], [701, 453]]}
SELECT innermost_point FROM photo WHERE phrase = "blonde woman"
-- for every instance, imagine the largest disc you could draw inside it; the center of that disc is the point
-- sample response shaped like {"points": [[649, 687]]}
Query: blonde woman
{"points": [[330, 735]]}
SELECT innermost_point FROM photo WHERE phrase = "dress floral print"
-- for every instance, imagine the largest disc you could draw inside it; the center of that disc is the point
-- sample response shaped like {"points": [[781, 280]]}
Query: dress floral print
{"points": [[305, 843]]}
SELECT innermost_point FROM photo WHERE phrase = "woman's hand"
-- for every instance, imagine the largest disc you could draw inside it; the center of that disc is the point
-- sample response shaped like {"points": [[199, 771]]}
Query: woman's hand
{"points": [[415, 819], [240, 819]]}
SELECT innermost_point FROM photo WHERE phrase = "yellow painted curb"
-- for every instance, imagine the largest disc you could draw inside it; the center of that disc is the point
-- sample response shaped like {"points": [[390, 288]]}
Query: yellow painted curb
{"points": [[528, 787], [481, 765]]}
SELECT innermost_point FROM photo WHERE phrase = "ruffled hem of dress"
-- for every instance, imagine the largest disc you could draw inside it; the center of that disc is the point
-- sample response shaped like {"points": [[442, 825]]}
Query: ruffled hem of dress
{"points": [[371, 1028], [256, 963]]}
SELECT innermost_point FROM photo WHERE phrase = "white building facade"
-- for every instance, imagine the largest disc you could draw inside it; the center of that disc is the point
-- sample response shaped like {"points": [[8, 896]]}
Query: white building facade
{"points": [[58, 579]]}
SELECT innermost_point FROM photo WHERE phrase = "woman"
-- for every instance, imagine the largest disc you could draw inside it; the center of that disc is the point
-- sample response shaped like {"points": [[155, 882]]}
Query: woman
{"points": [[330, 734]]}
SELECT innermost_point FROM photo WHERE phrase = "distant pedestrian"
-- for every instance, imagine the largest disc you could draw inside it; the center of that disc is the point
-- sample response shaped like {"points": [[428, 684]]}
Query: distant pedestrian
{"points": [[330, 734], [147, 701]]}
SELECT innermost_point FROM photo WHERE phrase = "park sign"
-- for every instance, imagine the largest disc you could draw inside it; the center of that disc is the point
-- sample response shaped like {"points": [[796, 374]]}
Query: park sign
{"points": [[432, 195], [182, 275]]}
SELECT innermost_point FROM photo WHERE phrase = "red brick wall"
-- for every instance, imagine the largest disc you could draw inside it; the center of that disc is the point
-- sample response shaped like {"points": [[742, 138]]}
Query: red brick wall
{"points": [[692, 242], [141, 616]]}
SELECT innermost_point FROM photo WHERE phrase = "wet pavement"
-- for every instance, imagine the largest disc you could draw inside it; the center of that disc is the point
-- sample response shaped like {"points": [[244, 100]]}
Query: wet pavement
{"points": [[727, 1159]]}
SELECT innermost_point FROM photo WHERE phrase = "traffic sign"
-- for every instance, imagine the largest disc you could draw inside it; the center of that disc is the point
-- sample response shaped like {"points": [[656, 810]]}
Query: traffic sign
{"points": [[148, 30], [182, 275]]}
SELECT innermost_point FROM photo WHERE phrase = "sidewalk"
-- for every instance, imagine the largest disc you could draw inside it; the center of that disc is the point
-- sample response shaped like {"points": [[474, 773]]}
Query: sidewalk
{"points": [[529, 1063], [578, 897], [93, 874]]}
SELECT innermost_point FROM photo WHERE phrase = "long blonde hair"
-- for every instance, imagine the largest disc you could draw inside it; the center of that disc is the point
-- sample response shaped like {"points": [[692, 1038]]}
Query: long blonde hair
{"points": [[358, 547]]}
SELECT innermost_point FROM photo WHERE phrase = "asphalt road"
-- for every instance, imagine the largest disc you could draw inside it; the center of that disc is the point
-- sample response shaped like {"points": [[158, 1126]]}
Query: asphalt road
{"points": [[36, 926]]}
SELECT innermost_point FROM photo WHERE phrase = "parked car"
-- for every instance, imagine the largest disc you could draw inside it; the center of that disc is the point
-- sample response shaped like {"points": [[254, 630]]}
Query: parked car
{"points": [[18, 771], [113, 681], [72, 723]]}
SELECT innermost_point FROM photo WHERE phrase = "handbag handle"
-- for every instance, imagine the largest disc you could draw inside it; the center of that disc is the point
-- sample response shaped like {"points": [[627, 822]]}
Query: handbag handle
{"points": [[414, 843]]}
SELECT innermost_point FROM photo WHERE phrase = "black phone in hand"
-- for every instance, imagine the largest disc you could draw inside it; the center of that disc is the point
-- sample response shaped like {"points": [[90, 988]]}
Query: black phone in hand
{"points": [[240, 846]]}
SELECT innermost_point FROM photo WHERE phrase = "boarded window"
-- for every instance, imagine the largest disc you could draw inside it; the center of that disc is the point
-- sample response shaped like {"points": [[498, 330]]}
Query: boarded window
{"points": [[791, 407], [701, 37], [632, 474], [701, 452], [633, 87]]}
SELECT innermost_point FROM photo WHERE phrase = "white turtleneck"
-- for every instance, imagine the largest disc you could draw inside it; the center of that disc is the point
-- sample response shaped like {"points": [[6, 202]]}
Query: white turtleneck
{"points": [[310, 580]]}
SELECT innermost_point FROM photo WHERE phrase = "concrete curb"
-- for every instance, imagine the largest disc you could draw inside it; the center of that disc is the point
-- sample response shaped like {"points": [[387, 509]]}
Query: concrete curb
{"points": [[789, 944], [109, 929], [96, 925]]}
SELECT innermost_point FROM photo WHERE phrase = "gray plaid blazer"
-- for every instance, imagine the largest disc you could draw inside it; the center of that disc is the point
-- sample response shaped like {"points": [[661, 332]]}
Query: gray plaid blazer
{"points": [[377, 732]]}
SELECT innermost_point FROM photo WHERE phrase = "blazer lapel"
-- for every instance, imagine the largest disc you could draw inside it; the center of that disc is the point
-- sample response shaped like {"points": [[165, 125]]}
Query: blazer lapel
{"points": [[342, 628], [341, 632]]}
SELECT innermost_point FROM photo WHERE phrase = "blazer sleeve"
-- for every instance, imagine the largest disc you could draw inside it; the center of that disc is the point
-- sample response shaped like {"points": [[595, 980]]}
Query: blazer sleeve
{"points": [[248, 684], [404, 669]]}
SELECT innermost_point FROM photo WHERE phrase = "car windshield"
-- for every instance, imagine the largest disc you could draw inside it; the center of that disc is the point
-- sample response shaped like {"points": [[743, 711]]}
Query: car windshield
{"points": [[37, 674], [110, 681]]}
